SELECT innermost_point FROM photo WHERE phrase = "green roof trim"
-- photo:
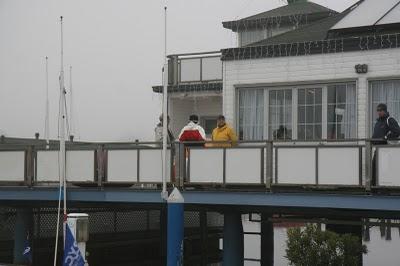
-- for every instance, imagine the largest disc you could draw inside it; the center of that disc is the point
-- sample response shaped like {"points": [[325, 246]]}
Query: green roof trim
{"points": [[195, 87]]}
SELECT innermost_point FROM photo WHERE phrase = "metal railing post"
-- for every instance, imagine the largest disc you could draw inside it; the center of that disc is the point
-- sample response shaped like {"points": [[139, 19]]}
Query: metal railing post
{"points": [[29, 166], [368, 165], [180, 164], [269, 164], [101, 167]]}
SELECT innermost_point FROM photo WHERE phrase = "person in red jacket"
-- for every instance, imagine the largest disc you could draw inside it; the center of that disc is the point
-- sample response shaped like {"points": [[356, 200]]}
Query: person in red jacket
{"points": [[193, 132]]}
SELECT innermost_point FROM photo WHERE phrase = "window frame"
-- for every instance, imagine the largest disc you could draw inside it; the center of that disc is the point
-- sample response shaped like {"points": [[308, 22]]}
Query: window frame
{"points": [[295, 89], [370, 117]]}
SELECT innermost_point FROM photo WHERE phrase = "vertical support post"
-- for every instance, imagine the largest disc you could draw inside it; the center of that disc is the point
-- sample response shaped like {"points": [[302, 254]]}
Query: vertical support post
{"points": [[23, 228], [366, 233], [269, 164], [368, 165], [163, 233], [267, 240], [233, 248], [203, 237], [175, 232]]}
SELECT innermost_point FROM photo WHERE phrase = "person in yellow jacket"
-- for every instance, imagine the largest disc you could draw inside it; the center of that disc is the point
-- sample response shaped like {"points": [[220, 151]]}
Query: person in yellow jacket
{"points": [[223, 132]]}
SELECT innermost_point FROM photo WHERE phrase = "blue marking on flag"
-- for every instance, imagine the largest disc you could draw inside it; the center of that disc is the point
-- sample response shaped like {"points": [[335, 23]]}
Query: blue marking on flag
{"points": [[27, 253], [72, 254]]}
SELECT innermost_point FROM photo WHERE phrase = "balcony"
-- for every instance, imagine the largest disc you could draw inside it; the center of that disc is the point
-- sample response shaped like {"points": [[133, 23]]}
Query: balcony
{"points": [[194, 72]]}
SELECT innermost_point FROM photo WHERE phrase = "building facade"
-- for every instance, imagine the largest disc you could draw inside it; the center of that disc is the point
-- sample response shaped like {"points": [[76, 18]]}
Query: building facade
{"points": [[321, 79]]}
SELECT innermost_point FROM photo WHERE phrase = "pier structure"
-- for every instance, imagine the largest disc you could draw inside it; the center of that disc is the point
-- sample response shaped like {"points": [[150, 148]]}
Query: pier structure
{"points": [[327, 182]]}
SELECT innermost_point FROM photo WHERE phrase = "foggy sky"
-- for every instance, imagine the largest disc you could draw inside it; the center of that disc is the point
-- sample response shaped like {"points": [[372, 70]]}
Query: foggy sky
{"points": [[115, 48]]}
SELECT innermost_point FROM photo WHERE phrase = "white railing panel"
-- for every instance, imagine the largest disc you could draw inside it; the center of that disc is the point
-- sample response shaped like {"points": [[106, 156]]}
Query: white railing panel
{"points": [[150, 166], [122, 166], [47, 166], [388, 166], [296, 166], [243, 166], [211, 68], [190, 69], [12, 166], [338, 166], [80, 166], [206, 165]]}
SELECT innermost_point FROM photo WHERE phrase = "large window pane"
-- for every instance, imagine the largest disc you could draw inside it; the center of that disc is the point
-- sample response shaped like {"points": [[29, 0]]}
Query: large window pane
{"points": [[251, 114], [309, 112], [280, 114], [341, 110], [387, 92]]}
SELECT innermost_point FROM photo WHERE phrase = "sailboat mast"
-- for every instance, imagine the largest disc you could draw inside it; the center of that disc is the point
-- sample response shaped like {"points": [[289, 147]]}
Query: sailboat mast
{"points": [[62, 130], [71, 105], [46, 123], [164, 193]]}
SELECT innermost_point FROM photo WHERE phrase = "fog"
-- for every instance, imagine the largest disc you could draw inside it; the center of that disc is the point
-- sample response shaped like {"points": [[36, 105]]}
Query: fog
{"points": [[116, 51]]}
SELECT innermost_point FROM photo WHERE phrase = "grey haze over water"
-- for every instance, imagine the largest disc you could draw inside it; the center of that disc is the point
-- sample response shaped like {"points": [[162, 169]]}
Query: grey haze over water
{"points": [[115, 48]]}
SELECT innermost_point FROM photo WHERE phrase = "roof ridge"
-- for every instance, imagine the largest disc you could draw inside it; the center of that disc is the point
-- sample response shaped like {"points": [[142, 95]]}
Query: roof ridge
{"points": [[327, 9], [303, 27]]}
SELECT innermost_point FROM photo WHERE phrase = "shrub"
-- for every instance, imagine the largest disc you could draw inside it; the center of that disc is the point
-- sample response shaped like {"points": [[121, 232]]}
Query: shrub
{"points": [[311, 246]]}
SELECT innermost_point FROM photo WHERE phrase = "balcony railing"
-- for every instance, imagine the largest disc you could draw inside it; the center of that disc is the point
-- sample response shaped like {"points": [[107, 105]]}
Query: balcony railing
{"points": [[195, 68], [260, 164]]}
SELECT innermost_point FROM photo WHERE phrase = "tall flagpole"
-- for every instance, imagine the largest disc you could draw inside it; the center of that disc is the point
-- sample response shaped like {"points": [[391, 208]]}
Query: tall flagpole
{"points": [[46, 122], [164, 193], [62, 132]]}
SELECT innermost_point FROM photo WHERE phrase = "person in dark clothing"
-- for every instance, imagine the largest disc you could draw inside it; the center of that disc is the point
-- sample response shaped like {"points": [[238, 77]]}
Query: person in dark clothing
{"points": [[386, 128]]}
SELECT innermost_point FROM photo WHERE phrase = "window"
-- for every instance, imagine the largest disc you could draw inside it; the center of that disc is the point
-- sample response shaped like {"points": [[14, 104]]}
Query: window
{"points": [[251, 114], [387, 92], [280, 114], [303, 113], [209, 123], [309, 111], [341, 113]]}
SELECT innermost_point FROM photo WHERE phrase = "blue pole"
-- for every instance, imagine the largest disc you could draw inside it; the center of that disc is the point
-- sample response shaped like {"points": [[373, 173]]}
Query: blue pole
{"points": [[175, 229], [233, 249]]}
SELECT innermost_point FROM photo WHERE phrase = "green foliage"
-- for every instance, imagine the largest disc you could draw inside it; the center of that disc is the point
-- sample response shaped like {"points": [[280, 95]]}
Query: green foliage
{"points": [[311, 246]]}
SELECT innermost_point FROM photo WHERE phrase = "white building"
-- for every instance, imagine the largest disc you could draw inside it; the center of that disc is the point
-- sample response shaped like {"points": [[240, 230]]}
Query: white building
{"points": [[301, 72]]}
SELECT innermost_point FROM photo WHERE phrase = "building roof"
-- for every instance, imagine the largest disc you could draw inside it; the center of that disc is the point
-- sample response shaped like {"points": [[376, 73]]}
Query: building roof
{"points": [[310, 10], [370, 13], [312, 32], [293, 9]]}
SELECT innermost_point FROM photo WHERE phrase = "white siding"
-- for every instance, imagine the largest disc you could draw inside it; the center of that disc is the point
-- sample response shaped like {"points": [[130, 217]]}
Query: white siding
{"points": [[182, 108], [324, 67]]}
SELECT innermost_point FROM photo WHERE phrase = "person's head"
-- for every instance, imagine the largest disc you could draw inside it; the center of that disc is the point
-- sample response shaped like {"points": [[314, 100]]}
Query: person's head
{"points": [[381, 110], [221, 121], [161, 118], [194, 119]]}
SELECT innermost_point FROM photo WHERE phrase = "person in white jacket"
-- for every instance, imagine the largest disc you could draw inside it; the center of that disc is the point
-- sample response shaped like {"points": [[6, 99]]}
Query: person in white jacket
{"points": [[193, 132]]}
